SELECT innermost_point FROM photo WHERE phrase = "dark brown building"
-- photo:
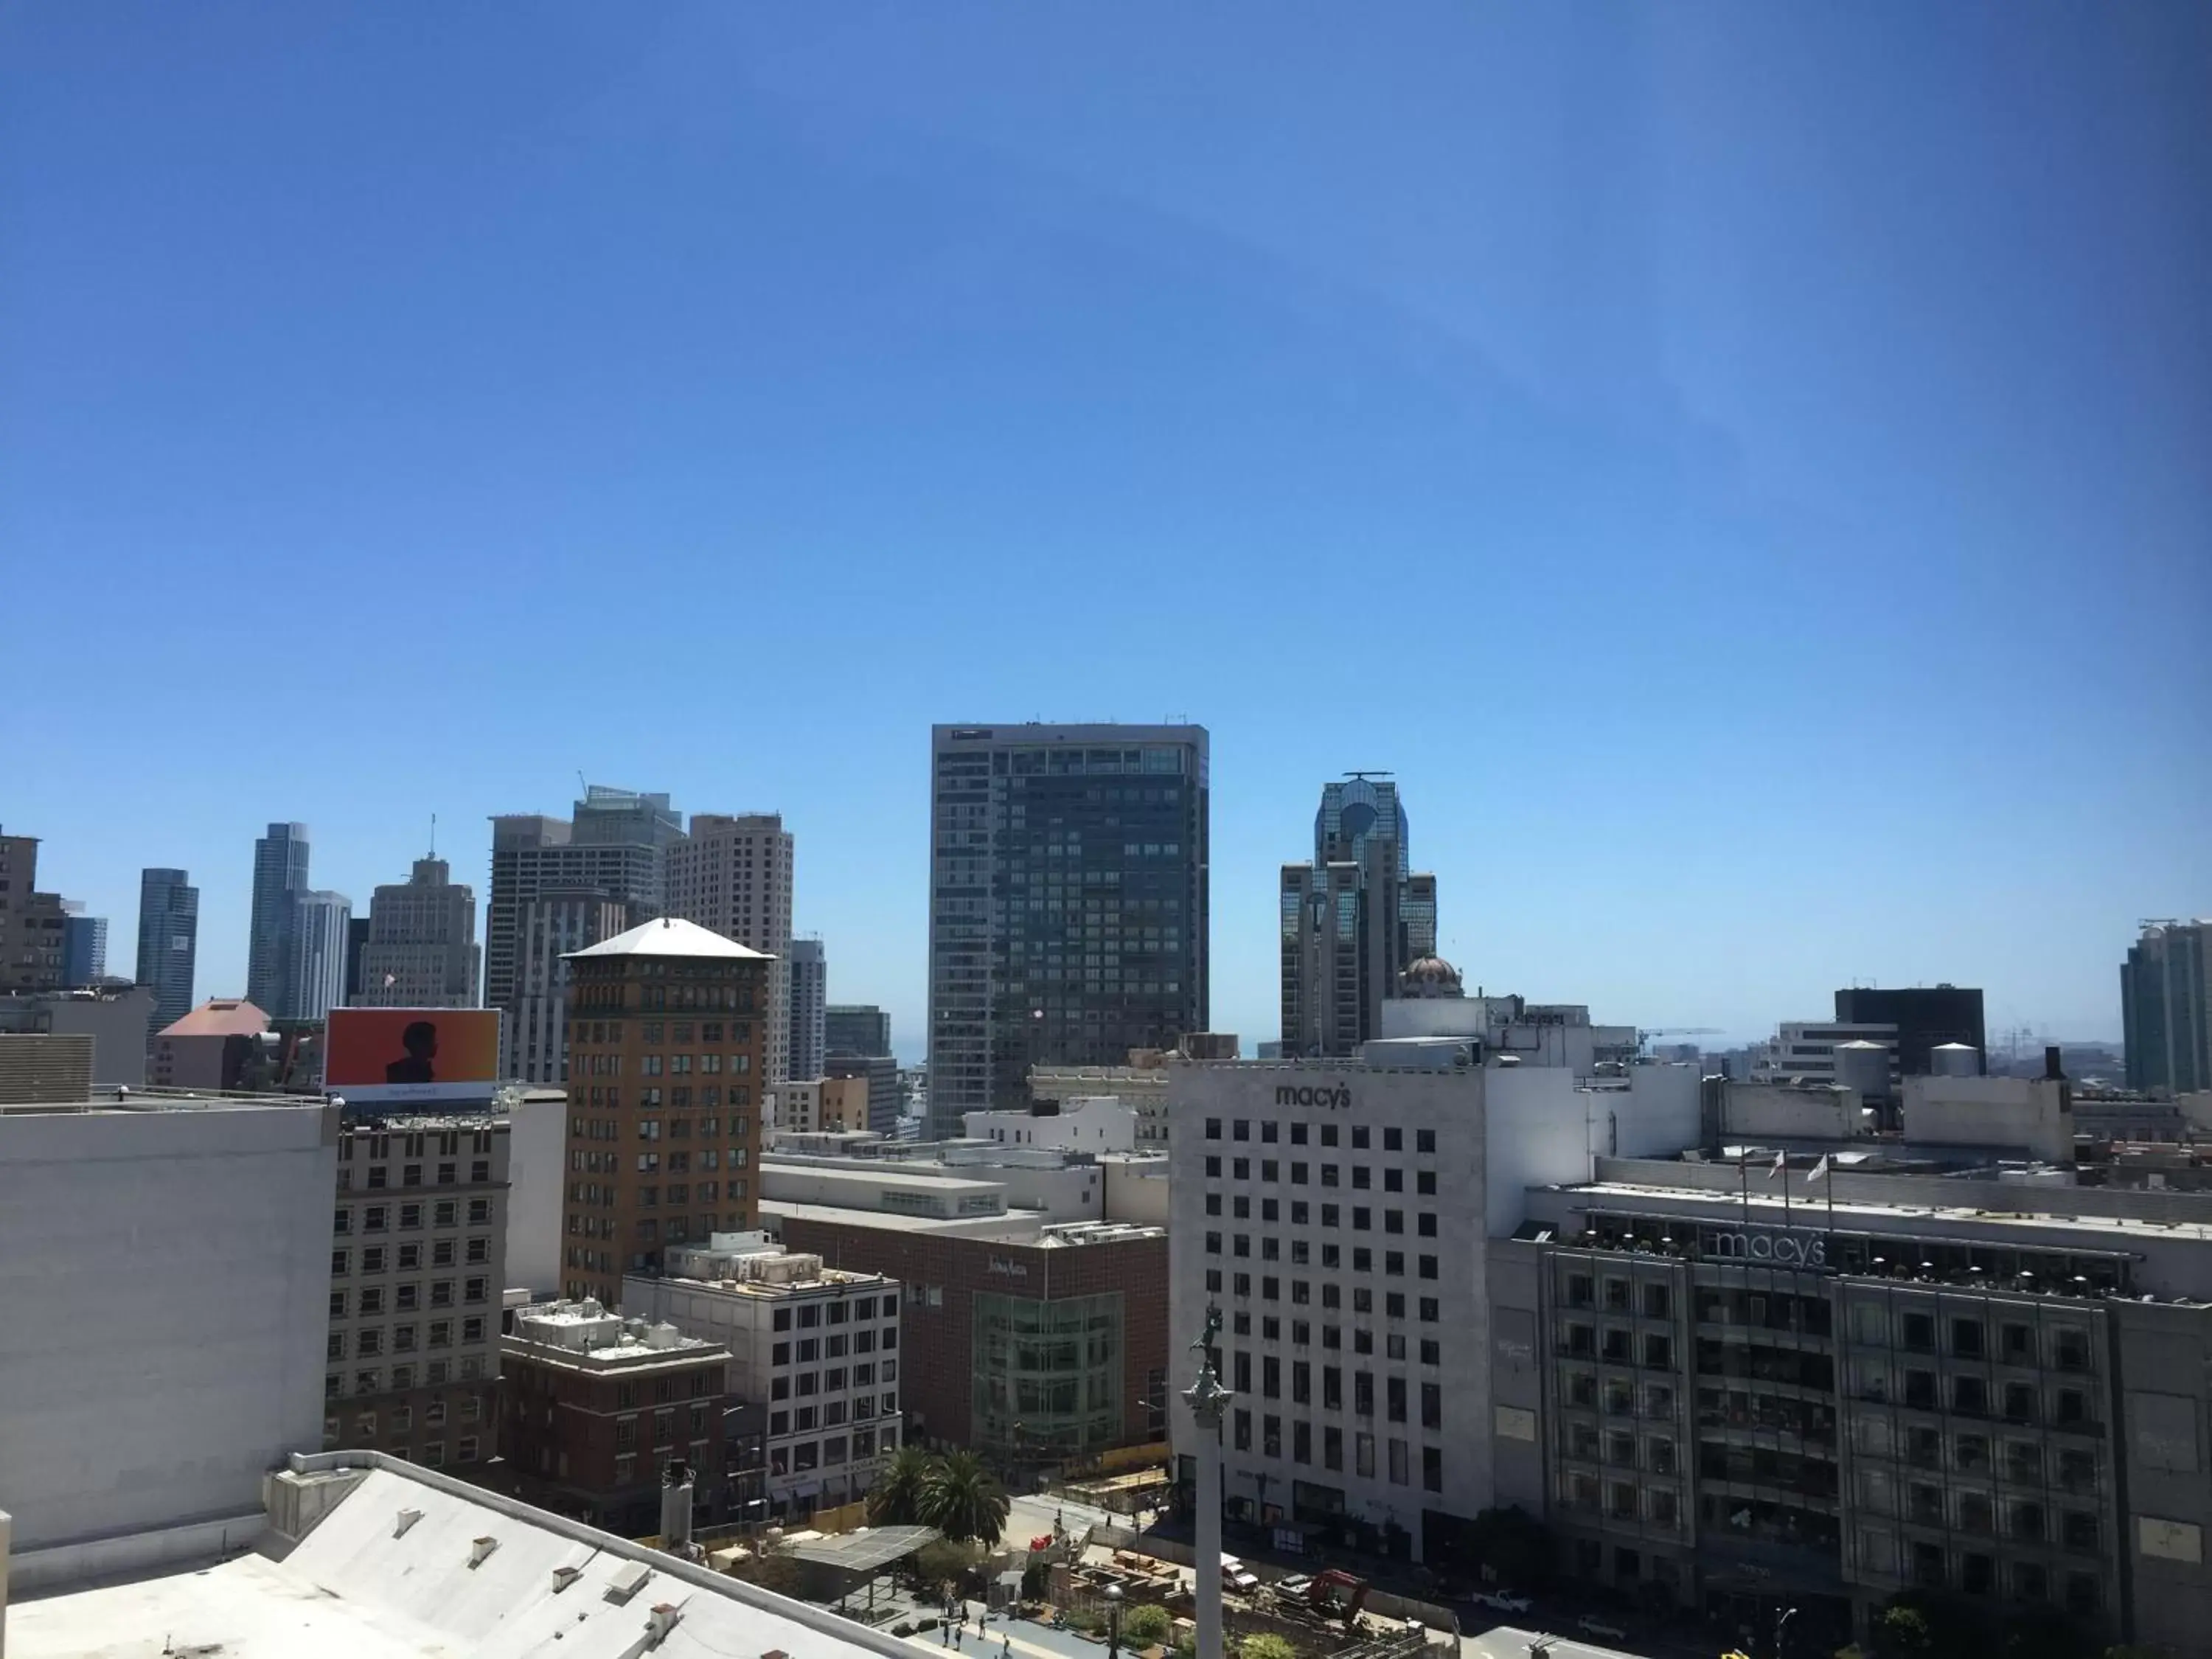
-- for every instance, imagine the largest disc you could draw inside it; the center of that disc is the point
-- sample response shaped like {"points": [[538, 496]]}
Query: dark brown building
{"points": [[1031, 1344], [595, 1407], [668, 1044]]}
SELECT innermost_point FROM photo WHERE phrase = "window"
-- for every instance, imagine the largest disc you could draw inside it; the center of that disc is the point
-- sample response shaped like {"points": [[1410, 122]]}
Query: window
{"points": [[1432, 1406], [1424, 1140]]}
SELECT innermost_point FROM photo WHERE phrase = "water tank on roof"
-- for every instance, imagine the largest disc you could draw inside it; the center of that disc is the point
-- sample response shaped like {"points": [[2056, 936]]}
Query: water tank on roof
{"points": [[1864, 1067], [1955, 1060]]}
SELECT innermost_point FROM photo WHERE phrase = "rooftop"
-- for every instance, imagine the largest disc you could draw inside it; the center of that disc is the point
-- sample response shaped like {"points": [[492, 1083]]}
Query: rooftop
{"points": [[117, 1098], [407, 1564], [671, 937], [585, 1334], [220, 1016]]}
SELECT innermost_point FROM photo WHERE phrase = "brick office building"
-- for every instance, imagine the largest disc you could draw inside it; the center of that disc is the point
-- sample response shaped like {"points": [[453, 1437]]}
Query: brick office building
{"points": [[668, 1048], [1032, 1344], [596, 1405]]}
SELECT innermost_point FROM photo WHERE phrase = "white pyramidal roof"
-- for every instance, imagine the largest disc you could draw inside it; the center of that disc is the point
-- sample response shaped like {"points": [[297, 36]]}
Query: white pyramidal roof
{"points": [[670, 937]]}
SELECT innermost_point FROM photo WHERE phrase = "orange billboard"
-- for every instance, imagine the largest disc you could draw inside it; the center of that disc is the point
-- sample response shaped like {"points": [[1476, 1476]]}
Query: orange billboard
{"points": [[403, 1055]]}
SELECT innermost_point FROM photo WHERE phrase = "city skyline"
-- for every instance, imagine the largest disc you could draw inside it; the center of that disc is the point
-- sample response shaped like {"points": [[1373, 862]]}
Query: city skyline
{"points": [[1752, 1018], [1790, 474]]}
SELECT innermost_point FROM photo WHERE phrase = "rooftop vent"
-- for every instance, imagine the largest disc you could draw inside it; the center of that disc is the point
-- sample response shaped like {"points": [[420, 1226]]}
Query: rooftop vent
{"points": [[480, 1549], [407, 1518], [565, 1576], [628, 1581], [661, 1621]]}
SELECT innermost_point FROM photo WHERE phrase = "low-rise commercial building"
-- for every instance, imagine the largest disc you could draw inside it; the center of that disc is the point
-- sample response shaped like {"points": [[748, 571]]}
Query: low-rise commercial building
{"points": [[816, 1350], [1086, 1123], [160, 1270], [596, 1406], [209, 1047], [1032, 1344], [1741, 1392]]}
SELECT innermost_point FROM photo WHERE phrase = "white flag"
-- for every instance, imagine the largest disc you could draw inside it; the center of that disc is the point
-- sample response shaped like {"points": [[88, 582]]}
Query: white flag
{"points": [[1819, 1171], [1781, 1165]]}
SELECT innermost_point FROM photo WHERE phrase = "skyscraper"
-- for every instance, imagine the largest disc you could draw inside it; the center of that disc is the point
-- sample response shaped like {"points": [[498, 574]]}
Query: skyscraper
{"points": [[732, 874], [421, 947], [2165, 1007], [1352, 920], [280, 872], [33, 923], [84, 946], [1067, 907], [533, 1028], [168, 941], [614, 850], [315, 955], [805, 994]]}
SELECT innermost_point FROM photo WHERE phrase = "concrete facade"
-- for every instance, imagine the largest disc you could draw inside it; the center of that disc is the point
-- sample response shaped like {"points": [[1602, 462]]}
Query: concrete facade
{"points": [[115, 1019], [732, 875], [418, 1270], [816, 1351], [165, 1274], [422, 950], [1087, 1123], [537, 1176], [33, 925], [1342, 1216]]}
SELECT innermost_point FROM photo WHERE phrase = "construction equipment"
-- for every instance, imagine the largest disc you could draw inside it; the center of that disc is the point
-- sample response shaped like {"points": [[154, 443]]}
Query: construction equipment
{"points": [[1321, 1595]]}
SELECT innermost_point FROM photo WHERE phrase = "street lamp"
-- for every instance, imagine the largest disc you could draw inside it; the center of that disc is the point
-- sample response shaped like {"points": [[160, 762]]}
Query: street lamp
{"points": [[1112, 1621], [1781, 1631]]}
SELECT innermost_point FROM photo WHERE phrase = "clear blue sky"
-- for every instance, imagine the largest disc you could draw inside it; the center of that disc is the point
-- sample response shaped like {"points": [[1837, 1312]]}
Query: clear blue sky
{"points": [[1748, 469]]}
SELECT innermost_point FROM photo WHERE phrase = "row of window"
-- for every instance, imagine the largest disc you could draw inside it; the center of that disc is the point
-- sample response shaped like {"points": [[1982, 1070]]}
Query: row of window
{"points": [[1931, 1566], [1393, 1140], [679, 1097], [1332, 1336], [370, 1342], [1303, 1174], [435, 1374], [1615, 1346], [414, 1143], [1363, 1297], [1395, 1466], [804, 1419], [1363, 1221], [807, 1315], [444, 1213], [1971, 1395], [2074, 1468], [812, 1348], [1395, 1390], [829, 1380], [2065, 1347], [831, 1452], [1625, 1503], [469, 1449], [411, 1175], [405, 1298], [408, 1258]]}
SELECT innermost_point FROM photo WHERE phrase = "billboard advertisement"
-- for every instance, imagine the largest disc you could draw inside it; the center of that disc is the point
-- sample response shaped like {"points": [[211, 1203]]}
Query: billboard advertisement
{"points": [[404, 1056]]}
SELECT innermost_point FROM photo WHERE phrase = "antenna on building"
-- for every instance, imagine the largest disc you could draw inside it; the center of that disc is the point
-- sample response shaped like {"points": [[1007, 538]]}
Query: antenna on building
{"points": [[434, 835], [1370, 773]]}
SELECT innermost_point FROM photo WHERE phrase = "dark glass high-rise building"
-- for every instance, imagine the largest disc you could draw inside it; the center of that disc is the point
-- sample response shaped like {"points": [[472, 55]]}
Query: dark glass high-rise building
{"points": [[1926, 1017], [1353, 919], [168, 941], [1068, 902], [280, 873], [2165, 1007]]}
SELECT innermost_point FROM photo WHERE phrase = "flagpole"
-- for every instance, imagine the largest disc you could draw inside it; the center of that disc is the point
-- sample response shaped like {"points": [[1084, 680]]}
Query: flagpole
{"points": [[1784, 1155], [1744, 1180]]}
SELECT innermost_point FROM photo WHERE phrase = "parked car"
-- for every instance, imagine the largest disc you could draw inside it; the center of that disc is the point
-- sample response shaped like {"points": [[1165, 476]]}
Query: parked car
{"points": [[1501, 1601], [1600, 1630], [1296, 1585], [1236, 1576]]}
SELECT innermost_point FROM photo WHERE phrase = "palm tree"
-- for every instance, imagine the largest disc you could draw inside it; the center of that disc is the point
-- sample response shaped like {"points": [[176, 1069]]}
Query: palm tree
{"points": [[963, 1499], [896, 1499]]}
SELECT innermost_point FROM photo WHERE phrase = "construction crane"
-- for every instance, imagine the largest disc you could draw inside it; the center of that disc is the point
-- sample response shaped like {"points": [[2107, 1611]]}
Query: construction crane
{"points": [[1643, 1038]]}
